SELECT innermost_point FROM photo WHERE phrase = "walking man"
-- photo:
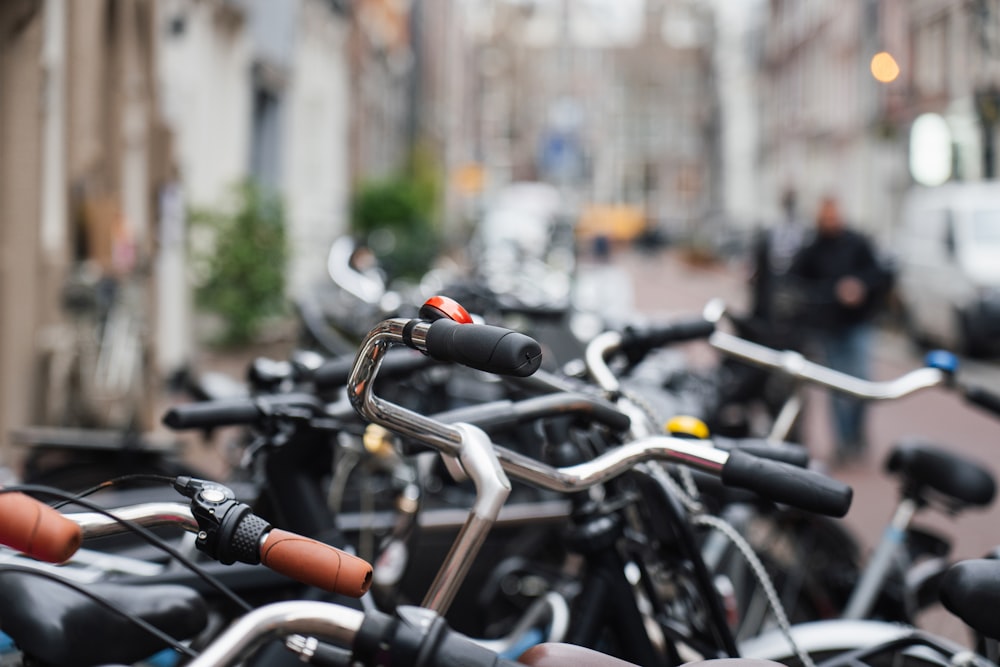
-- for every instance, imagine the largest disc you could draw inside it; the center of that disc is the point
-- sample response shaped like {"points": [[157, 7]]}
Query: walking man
{"points": [[844, 285]]}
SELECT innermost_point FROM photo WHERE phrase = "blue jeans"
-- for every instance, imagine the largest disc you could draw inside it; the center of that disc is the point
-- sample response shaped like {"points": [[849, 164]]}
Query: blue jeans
{"points": [[848, 351]]}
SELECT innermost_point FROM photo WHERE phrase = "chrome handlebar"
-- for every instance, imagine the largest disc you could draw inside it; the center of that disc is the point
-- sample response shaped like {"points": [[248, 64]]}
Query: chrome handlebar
{"points": [[595, 357], [321, 619], [147, 515], [795, 365], [448, 439]]}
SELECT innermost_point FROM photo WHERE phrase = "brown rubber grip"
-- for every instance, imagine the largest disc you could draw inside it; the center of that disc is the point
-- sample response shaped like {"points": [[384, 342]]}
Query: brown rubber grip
{"points": [[315, 563], [34, 528]]}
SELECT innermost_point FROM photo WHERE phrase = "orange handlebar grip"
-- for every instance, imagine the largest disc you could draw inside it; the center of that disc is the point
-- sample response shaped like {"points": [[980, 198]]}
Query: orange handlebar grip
{"points": [[316, 564], [34, 528]]}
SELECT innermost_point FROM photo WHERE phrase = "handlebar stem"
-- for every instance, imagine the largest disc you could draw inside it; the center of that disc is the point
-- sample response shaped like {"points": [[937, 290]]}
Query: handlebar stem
{"points": [[480, 462], [321, 619]]}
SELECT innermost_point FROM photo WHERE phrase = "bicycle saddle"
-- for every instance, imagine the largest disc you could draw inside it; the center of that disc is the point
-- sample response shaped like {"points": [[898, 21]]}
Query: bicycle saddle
{"points": [[971, 590], [960, 481], [58, 626]]}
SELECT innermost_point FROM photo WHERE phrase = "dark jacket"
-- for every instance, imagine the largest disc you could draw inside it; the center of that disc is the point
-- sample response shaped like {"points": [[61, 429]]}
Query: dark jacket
{"points": [[822, 263]]}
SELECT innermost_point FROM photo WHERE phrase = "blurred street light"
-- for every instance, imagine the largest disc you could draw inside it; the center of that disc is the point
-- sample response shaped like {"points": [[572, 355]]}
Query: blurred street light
{"points": [[884, 67]]}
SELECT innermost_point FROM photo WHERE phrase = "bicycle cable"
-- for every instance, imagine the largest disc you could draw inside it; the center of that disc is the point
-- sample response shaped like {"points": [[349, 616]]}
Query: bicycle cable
{"points": [[115, 481], [142, 532], [94, 597], [690, 491], [700, 517], [763, 578]]}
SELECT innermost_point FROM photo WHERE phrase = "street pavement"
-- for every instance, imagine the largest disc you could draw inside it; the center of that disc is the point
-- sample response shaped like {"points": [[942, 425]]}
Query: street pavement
{"points": [[664, 284]]}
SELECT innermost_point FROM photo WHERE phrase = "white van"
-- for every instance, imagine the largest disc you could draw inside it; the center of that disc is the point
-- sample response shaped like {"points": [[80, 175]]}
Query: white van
{"points": [[948, 260]]}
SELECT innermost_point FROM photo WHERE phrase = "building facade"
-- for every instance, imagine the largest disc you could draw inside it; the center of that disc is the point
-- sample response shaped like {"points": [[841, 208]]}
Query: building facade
{"points": [[82, 152], [828, 127]]}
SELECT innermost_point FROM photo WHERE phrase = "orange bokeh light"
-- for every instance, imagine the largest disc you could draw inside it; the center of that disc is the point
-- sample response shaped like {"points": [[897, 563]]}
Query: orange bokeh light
{"points": [[884, 67]]}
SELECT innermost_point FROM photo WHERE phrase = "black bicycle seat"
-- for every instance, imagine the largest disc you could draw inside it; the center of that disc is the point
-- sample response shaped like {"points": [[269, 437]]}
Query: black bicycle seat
{"points": [[58, 626], [960, 481], [971, 590]]}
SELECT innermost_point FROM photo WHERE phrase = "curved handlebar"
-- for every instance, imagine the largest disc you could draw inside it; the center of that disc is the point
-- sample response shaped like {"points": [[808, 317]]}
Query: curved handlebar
{"points": [[795, 365], [499, 415], [773, 480], [36, 529], [417, 636], [237, 411], [333, 374], [784, 483], [635, 342], [300, 558], [147, 515]]}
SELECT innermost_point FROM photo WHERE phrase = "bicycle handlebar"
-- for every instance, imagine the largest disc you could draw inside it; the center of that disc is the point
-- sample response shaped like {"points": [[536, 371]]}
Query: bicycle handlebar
{"points": [[796, 366], [36, 529], [480, 346], [315, 563], [418, 637], [786, 452], [783, 483], [635, 342], [237, 411], [638, 341], [774, 480], [982, 397], [246, 538], [333, 374], [499, 415]]}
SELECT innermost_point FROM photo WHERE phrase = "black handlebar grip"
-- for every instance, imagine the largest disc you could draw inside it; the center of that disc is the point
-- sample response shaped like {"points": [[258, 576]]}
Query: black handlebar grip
{"points": [[499, 415], [780, 482], [332, 374], [786, 452], [212, 414], [637, 342], [484, 347], [418, 637], [586, 408], [397, 362], [983, 398], [492, 416]]}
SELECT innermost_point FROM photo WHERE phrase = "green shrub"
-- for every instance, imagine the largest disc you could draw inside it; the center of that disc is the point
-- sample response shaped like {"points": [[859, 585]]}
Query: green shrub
{"points": [[239, 255], [395, 217]]}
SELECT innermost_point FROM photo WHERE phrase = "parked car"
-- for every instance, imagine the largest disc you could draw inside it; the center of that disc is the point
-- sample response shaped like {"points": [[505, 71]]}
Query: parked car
{"points": [[949, 265]]}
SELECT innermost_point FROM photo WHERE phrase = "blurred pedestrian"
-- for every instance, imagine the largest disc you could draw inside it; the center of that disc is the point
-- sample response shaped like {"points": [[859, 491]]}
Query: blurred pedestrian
{"points": [[773, 291], [844, 285]]}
